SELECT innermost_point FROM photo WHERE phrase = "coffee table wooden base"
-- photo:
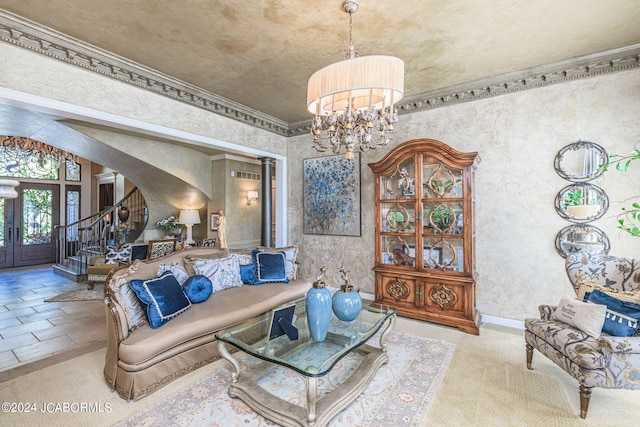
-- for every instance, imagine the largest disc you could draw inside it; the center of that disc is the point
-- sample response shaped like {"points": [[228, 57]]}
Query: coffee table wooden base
{"points": [[318, 411]]}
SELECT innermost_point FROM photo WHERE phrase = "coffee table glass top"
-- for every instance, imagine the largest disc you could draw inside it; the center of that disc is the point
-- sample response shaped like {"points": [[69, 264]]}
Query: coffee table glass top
{"points": [[308, 357]]}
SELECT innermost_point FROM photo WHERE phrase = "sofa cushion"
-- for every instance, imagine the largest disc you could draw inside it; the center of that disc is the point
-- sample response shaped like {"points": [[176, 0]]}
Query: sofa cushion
{"points": [[191, 259], [224, 273], [248, 274], [589, 318], [291, 253], [270, 266], [162, 298], [622, 316], [223, 309], [197, 288], [176, 269]]}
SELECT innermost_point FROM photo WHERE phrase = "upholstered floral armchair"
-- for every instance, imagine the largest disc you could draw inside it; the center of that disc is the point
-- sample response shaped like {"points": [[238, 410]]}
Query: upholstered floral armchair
{"points": [[101, 265], [604, 361]]}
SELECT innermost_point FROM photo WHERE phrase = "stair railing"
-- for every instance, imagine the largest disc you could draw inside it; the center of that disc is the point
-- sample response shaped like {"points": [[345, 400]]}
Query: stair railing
{"points": [[79, 241]]}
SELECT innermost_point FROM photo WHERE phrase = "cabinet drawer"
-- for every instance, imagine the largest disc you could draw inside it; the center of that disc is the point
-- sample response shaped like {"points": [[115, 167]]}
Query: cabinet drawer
{"points": [[396, 289], [444, 296]]}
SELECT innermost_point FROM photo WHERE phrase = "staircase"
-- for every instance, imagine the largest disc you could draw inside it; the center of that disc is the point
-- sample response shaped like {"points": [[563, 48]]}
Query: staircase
{"points": [[79, 241]]}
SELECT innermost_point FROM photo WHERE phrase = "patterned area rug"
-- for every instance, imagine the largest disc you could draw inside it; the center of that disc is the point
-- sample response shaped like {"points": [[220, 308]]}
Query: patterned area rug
{"points": [[399, 395], [97, 293]]}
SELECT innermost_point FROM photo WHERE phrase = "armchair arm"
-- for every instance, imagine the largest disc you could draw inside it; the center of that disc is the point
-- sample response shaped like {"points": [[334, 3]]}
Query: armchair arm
{"points": [[546, 311], [609, 344]]}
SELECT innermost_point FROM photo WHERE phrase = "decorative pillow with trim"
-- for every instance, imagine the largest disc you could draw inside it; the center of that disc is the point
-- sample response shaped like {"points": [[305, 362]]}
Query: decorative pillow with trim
{"points": [[248, 274], [587, 317], [585, 288], [116, 256], [197, 288], [270, 266], [176, 269], [162, 298], [291, 253], [622, 316], [224, 273]]}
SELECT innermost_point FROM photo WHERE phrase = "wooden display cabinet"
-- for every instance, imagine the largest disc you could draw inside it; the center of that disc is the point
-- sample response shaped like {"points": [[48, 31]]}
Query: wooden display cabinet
{"points": [[424, 253]]}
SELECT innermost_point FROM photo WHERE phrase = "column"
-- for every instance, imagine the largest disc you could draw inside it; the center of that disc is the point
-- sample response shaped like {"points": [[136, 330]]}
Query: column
{"points": [[267, 202]]}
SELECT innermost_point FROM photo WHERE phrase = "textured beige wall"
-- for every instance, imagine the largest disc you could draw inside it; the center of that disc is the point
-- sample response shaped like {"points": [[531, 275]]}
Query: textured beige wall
{"points": [[230, 195], [517, 137]]}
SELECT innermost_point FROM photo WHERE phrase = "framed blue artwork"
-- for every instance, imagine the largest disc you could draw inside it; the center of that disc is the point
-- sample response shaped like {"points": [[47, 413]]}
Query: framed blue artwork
{"points": [[332, 196]]}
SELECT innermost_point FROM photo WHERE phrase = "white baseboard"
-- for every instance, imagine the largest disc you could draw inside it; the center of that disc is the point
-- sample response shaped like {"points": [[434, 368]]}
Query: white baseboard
{"points": [[494, 320]]}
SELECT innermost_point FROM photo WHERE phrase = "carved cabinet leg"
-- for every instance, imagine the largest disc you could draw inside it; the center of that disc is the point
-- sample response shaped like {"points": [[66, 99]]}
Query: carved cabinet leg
{"points": [[529, 356], [585, 395]]}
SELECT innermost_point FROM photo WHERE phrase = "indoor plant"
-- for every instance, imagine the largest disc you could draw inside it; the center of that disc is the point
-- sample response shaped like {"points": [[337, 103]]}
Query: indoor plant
{"points": [[171, 225], [629, 219]]}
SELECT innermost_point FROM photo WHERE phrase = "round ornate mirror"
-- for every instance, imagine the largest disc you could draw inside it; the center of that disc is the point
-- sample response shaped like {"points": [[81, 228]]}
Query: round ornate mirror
{"points": [[581, 161], [581, 202], [581, 238]]}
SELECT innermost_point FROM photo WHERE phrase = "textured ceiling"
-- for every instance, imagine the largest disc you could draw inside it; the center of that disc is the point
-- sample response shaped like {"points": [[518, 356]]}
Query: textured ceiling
{"points": [[260, 53]]}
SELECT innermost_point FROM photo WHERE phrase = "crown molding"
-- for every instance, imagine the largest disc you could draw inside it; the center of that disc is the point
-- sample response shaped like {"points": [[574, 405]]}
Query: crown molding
{"points": [[581, 67], [30, 35]]}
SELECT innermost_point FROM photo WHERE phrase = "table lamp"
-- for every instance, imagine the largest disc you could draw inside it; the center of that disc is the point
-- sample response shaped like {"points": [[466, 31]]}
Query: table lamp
{"points": [[189, 217]]}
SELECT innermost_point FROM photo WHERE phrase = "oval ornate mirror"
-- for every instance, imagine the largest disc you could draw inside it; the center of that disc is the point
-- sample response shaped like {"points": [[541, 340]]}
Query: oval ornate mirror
{"points": [[581, 238], [581, 202], [581, 161]]}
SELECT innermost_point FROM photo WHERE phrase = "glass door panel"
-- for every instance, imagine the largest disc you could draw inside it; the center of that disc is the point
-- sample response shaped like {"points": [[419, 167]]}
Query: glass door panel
{"points": [[400, 184], [443, 254], [439, 180], [443, 218], [398, 217], [399, 250]]}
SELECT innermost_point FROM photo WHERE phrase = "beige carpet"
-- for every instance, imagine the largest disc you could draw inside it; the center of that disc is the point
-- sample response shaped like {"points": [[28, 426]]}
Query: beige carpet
{"points": [[487, 384]]}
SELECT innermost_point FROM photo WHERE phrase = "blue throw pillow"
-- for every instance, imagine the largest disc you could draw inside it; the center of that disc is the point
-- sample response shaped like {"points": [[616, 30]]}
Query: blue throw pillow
{"points": [[248, 274], [622, 317], [270, 266], [198, 288], [162, 298]]}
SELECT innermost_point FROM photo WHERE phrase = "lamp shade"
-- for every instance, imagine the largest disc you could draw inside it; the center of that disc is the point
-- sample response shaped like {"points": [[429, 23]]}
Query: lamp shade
{"points": [[189, 216], [367, 81]]}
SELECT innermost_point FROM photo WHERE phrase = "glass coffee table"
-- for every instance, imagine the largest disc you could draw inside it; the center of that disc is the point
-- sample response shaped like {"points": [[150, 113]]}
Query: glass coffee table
{"points": [[308, 358]]}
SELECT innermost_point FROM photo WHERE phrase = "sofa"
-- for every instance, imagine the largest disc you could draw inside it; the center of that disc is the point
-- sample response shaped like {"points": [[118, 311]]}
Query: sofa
{"points": [[141, 359]]}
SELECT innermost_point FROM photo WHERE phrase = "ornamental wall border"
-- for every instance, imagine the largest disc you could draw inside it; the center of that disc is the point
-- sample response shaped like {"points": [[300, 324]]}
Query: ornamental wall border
{"points": [[27, 34]]}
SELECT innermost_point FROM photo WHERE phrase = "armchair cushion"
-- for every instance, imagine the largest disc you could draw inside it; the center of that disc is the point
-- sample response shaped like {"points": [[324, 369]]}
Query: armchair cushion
{"points": [[574, 344], [589, 318], [622, 316]]}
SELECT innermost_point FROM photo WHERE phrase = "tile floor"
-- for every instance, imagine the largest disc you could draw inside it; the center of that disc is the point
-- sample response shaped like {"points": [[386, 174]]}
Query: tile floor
{"points": [[34, 333]]}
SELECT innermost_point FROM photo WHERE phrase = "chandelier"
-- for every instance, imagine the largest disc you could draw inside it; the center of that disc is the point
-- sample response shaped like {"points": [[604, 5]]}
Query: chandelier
{"points": [[353, 100]]}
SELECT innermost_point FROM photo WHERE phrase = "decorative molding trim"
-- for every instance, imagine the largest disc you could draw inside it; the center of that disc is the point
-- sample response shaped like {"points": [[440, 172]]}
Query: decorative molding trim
{"points": [[609, 61], [30, 35]]}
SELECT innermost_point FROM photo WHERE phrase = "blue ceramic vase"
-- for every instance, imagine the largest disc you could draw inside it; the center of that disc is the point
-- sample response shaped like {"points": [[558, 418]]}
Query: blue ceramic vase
{"points": [[347, 303], [318, 306]]}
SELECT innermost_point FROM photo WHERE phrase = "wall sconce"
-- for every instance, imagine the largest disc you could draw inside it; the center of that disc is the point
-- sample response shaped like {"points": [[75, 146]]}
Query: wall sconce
{"points": [[8, 189], [252, 196], [189, 217]]}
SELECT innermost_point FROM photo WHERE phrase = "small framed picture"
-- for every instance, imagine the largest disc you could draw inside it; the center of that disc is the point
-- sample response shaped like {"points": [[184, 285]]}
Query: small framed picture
{"points": [[214, 221]]}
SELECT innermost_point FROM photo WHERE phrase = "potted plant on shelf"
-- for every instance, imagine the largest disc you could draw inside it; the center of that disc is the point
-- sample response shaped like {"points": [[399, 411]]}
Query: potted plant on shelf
{"points": [[171, 225]]}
